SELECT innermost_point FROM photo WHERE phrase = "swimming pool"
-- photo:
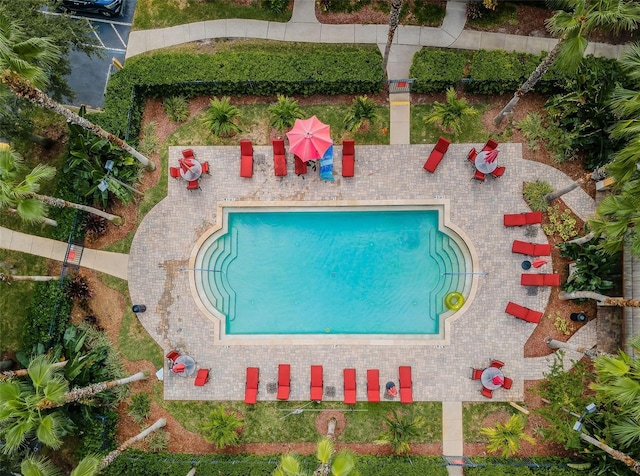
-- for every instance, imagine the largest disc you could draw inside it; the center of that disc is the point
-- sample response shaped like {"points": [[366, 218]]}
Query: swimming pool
{"points": [[338, 270]]}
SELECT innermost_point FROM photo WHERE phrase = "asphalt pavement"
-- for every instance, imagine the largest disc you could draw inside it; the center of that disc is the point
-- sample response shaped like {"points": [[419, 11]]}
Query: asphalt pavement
{"points": [[89, 74]]}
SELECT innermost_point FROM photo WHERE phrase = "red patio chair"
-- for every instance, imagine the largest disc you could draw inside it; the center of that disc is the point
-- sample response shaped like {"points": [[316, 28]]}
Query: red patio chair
{"points": [[284, 381], [507, 383], [193, 185], [188, 154], [173, 355], [349, 377], [515, 219], [205, 168], [279, 158], [179, 368], [246, 159], [498, 172], [472, 155], [373, 385], [348, 158], [478, 176], [497, 364], [532, 249], [437, 154], [301, 167], [541, 279], [317, 384], [404, 377], [523, 313], [490, 145], [487, 393], [251, 386], [202, 377], [476, 373], [174, 172]]}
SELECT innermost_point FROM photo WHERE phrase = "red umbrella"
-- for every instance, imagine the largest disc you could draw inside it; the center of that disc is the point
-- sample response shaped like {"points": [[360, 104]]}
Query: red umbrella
{"points": [[309, 139], [491, 156], [538, 262]]}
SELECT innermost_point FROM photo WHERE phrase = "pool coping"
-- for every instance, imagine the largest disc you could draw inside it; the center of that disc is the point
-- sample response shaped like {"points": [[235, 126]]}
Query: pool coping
{"points": [[443, 337]]}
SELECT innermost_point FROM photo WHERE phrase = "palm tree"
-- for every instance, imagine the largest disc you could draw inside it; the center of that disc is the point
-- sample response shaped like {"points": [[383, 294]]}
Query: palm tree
{"points": [[25, 407], [220, 117], [601, 298], [597, 174], [361, 114], [400, 430], [394, 19], [506, 437], [619, 455], [30, 205], [451, 113], [329, 463], [107, 460], [23, 62], [9, 278], [572, 26], [221, 428], [556, 344], [284, 113]]}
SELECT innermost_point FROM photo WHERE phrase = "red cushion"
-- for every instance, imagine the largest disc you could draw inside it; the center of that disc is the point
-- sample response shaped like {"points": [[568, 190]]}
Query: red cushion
{"points": [[542, 249], [202, 377], [280, 165], [284, 381], [551, 279], [278, 146], [533, 218], [516, 310], [433, 161], [523, 247], [532, 280], [373, 385], [348, 147], [316, 383], [246, 147], [246, 166], [251, 390], [301, 167], [405, 376], [349, 386], [442, 145], [490, 145], [514, 219], [348, 166]]}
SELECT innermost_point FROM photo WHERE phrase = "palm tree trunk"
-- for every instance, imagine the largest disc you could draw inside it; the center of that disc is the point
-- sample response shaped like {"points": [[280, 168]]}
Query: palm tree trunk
{"points": [[24, 89], [60, 203], [43, 142], [529, 84], [583, 239], [91, 390], [556, 344], [192, 472], [601, 298], [45, 220], [550, 197], [619, 455], [394, 19], [8, 278], [140, 436], [23, 372]]}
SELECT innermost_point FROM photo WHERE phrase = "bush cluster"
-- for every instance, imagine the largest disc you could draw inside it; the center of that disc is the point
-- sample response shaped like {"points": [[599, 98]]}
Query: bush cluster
{"points": [[49, 312], [334, 69], [436, 70]]}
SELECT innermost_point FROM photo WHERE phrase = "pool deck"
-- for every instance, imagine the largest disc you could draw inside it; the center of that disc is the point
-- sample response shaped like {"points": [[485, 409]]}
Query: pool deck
{"points": [[165, 242]]}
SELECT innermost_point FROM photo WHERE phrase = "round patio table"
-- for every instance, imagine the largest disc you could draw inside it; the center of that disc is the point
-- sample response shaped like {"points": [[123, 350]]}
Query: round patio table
{"points": [[482, 165], [487, 378], [190, 169], [189, 364]]}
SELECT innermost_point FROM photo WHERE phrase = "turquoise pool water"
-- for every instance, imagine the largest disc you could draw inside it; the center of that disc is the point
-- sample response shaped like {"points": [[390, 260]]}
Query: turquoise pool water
{"points": [[329, 272]]}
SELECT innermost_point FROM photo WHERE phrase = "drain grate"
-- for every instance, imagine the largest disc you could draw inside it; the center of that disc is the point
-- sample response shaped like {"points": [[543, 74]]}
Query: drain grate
{"points": [[272, 387], [532, 291], [531, 231], [330, 391]]}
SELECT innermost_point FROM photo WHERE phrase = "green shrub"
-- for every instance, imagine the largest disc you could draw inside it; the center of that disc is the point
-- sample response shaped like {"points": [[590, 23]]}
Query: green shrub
{"points": [[436, 70], [532, 129], [499, 72], [362, 113], [427, 13], [595, 270], [221, 428], [149, 142], [283, 113], [158, 441], [534, 193], [221, 117], [176, 108], [140, 407], [47, 317], [276, 6], [451, 114], [560, 143], [561, 223], [97, 430]]}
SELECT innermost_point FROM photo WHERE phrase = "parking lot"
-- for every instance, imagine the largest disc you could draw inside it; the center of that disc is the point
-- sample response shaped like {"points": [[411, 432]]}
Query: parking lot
{"points": [[89, 75]]}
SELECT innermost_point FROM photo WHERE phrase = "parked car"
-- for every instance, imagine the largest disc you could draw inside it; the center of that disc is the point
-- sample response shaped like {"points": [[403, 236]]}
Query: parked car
{"points": [[107, 8]]}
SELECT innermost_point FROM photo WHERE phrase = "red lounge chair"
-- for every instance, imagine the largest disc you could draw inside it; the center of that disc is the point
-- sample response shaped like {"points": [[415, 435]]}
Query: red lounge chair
{"points": [[498, 364], [507, 383], [532, 249], [472, 155], [478, 176], [348, 158], [251, 387], [533, 218], [284, 381], [437, 154], [476, 374], [316, 383], [406, 393], [279, 158], [246, 159], [188, 154], [541, 279], [173, 355], [301, 167], [205, 168], [520, 219], [174, 172], [487, 393], [490, 145], [349, 376], [373, 385], [202, 377], [193, 185], [523, 313], [498, 172], [179, 368]]}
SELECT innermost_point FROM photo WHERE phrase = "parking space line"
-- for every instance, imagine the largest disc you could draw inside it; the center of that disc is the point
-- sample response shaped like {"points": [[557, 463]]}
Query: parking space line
{"points": [[118, 35], [95, 33], [99, 20]]}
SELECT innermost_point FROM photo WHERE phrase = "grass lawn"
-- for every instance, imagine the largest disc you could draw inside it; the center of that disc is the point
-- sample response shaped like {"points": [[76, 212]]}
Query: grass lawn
{"points": [[163, 13]]}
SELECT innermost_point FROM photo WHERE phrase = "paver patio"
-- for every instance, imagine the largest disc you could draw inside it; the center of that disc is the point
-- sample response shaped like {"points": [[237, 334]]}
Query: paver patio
{"points": [[166, 238]]}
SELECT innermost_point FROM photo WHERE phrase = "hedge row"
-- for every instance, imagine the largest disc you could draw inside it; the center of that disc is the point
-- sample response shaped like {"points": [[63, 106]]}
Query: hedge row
{"points": [[138, 463], [50, 311], [331, 69]]}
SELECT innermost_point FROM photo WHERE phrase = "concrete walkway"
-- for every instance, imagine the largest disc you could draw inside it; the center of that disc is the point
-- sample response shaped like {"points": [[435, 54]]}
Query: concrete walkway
{"points": [[115, 264]]}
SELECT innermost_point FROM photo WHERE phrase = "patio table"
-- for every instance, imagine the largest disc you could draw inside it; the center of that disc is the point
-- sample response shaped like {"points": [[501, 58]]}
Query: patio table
{"points": [[487, 377], [484, 166], [193, 170], [189, 364]]}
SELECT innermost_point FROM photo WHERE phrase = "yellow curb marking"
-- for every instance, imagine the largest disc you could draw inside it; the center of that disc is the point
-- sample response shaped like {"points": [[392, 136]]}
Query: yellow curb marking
{"points": [[400, 103]]}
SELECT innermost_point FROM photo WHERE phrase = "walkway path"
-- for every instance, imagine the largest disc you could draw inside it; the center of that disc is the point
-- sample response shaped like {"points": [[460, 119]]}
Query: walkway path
{"points": [[115, 264]]}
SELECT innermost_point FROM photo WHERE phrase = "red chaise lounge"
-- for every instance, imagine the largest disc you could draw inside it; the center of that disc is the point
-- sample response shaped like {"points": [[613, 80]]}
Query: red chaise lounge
{"points": [[520, 219], [279, 158], [348, 158], [284, 381], [437, 154], [202, 377], [523, 313], [373, 385], [246, 159], [541, 279], [349, 376], [404, 377], [316, 383], [251, 387], [532, 249]]}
